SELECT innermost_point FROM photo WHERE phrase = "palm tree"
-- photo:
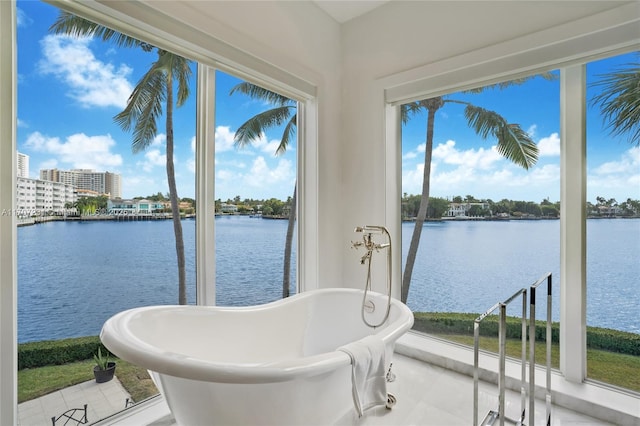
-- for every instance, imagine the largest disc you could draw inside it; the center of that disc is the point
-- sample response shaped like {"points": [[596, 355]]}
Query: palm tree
{"points": [[619, 101], [144, 107], [513, 143], [283, 112]]}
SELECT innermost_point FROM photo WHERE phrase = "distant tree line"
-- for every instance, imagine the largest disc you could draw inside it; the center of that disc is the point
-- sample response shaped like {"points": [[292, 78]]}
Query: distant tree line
{"points": [[438, 207], [268, 207]]}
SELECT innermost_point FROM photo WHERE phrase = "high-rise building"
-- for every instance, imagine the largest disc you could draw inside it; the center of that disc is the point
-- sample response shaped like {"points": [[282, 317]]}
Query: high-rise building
{"points": [[85, 179], [23, 165], [38, 197]]}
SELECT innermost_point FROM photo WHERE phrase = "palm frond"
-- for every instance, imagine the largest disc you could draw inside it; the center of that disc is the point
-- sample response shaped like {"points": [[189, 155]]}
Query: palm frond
{"points": [[619, 101], [407, 111], [144, 107], [411, 109], [288, 134], [513, 142], [258, 92], [75, 26], [182, 74], [254, 127]]}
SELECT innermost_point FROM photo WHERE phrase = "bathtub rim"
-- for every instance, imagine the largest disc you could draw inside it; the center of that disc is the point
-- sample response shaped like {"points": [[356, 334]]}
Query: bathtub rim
{"points": [[129, 347]]}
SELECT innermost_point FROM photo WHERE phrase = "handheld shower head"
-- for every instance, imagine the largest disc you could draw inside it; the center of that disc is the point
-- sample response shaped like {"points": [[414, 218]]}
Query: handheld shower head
{"points": [[370, 229]]}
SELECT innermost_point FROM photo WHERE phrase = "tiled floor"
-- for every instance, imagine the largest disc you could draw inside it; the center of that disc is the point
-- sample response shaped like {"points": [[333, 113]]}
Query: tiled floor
{"points": [[426, 395], [430, 395], [102, 399]]}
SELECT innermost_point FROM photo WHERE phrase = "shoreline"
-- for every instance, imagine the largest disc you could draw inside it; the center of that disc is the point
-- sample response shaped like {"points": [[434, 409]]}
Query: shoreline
{"points": [[167, 216]]}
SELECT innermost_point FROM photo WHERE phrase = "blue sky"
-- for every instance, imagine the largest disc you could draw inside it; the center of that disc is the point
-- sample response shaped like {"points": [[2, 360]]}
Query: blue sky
{"points": [[70, 89], [464, 164]]}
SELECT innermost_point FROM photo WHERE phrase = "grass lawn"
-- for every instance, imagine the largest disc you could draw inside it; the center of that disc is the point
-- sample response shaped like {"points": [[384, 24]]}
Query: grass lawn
{"points": [[608, 367], [36, 382]]}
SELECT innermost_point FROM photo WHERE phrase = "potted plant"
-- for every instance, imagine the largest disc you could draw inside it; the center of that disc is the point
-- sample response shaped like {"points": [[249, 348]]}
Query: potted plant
{"points": [[104, 369]]}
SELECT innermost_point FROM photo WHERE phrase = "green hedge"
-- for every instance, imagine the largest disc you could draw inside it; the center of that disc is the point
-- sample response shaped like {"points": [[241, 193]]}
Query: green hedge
{"points": [[457, 323], [56, 352]]}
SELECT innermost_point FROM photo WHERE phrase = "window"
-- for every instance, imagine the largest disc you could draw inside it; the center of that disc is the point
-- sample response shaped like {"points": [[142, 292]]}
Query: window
{"points": [[255, 184], [95, 247], [491, 226], [613, 229], [104, 228], [611, 170]]}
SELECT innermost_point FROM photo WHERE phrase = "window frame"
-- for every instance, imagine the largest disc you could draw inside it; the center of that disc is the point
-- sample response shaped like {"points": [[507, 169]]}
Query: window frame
{"points": [[8, 226], [130, 18], [569, 52]]}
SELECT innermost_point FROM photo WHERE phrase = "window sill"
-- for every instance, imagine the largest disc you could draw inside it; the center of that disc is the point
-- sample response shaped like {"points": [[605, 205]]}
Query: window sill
{"points": [[593, 399], [153, 410]]}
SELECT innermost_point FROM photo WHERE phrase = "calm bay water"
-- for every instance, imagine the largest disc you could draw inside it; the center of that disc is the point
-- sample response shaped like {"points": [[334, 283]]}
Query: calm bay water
{"points": [[72, 276]]}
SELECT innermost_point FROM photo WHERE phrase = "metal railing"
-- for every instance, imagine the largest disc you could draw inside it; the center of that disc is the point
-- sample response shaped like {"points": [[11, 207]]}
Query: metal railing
{"points": [[532, 347], [77, 415], [502, 357], [499, 414]]}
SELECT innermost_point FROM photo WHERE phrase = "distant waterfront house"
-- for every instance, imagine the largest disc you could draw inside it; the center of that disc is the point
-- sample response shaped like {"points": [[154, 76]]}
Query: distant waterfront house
{"points": [[462, 209], [119, 206], [609, 211], [228, 208]]}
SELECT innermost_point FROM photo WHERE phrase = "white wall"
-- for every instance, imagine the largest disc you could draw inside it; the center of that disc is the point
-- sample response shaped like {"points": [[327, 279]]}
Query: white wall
{"points": [[408, 48]]}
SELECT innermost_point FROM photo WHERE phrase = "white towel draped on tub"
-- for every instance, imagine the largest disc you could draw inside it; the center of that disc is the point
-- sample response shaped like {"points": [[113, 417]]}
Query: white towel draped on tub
{"points": [[369, 384]]}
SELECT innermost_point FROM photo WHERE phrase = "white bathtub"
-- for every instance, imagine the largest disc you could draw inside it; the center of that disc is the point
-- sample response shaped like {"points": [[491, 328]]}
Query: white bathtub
{"points": [[273, 364]]}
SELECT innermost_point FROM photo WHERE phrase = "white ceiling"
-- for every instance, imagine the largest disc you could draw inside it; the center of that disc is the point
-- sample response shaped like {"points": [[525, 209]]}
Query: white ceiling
{"points": [[345, 10]]}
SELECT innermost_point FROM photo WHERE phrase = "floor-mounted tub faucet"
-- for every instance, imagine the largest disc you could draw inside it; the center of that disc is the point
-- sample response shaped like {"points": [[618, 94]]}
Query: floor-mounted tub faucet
{"points": [[370, 245]]}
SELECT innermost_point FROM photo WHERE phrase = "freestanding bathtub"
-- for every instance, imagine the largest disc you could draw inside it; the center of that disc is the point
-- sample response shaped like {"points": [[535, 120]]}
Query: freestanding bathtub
{"points": [[272, 364]]}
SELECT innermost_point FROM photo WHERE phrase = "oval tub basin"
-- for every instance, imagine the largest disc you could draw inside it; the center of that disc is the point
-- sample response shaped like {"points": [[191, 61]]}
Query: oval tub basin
{"points": [[271, 364]]}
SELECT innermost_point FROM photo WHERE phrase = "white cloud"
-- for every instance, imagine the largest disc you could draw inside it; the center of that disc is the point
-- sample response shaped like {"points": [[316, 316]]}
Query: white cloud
{"points": [[191, 163], [224, 138], [262, 144], [549, 146], [22, 19], [155, 154], [480, 172], [261, 179], [261, 176], [484, 174], [152, 158], [531, 131], [410, 155], [628, 164], [159, 140], [225, 142], [141, 185], [91, 82], [78, 150], [471, 158], [617, 179]]}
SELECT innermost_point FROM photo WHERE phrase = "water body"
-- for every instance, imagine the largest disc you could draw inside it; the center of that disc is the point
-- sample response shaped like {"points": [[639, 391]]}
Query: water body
{"points": [[469, 266], [72, 276]]}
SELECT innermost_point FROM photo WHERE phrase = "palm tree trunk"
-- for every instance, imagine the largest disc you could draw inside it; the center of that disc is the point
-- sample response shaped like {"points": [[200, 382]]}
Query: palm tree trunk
{"points": [[173, 197], [286, 278], [422, 210]]}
